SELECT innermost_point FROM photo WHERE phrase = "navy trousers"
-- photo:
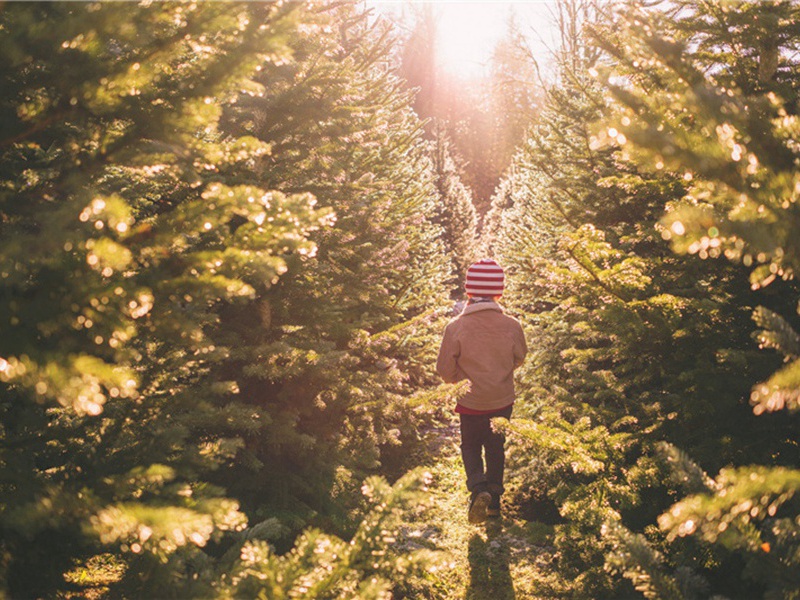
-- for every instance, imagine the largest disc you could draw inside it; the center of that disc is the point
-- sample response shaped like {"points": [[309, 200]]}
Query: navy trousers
{"points": [[477, 438]]}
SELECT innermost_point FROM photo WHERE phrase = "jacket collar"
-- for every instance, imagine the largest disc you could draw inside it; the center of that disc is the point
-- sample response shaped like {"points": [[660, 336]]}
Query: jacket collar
{"points": [[472, 308]]}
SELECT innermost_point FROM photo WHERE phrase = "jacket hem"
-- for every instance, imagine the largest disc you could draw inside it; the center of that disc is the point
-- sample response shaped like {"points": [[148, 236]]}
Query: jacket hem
{"points": [[479, 405]]}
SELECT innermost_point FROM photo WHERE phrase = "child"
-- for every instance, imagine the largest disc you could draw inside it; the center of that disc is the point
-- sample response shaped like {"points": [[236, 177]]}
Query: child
{"points": [[484, 346]]}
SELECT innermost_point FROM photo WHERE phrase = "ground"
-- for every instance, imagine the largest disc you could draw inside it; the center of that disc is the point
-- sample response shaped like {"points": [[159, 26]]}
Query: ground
{"points": [[506, 558], [502, 559]]}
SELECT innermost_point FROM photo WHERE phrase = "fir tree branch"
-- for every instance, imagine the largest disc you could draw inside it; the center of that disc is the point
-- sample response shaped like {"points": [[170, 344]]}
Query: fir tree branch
{"points": [[23, 135], [590, 271]]}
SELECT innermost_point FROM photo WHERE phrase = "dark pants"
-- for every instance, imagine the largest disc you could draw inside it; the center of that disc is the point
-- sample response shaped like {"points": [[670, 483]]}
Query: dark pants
{"points": [[477, 435]]}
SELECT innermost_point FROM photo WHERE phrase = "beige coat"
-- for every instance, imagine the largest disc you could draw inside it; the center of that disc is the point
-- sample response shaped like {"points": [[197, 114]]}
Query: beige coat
{"points": [[484, 346]]}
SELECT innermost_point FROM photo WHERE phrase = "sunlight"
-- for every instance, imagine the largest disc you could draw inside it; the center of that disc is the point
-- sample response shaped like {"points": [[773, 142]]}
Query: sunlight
{"points": [[468, 32]]}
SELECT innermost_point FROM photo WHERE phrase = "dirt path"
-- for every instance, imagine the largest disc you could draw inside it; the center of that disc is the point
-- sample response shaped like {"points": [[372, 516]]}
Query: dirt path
{"points": [[502, 559]]}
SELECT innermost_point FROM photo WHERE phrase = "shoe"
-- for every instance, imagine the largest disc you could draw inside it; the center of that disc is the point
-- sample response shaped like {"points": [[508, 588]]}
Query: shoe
{"points": [[493, 510], [478, 506]]}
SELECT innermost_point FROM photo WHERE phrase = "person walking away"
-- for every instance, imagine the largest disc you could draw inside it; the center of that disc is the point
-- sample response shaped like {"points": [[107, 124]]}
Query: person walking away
{"points": [[483, 345]]}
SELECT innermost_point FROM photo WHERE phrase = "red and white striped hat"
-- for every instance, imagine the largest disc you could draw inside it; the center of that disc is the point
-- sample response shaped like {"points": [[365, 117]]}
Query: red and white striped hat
{"points": [[485, 278]]}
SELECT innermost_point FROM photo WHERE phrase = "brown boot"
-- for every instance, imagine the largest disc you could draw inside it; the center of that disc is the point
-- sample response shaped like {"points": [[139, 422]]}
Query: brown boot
{"points": [[479, 506]]}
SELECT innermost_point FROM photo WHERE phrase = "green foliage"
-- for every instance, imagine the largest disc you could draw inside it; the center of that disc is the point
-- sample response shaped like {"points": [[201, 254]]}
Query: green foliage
{"points": [[217, 283], [630, 337], [324, 566], [782, 389], [595, 475], [736, 151], [455, 212], [736, 148], [639, 562], [225, 252], [333, 351], [121, 235], [750, 511]]}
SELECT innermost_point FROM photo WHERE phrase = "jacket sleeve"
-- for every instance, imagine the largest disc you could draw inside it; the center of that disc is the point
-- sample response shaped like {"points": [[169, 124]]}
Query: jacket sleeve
{"points": [[447, 363], [520, 347]]}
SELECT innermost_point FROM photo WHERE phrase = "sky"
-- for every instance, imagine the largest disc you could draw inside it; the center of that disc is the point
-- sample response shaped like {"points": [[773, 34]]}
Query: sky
{"points": [[468, 31]]}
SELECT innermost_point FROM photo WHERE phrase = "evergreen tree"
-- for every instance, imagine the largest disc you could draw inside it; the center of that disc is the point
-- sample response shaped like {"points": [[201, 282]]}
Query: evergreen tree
{"points": [[418, 61], [741, 207], [455, 212], [334, 350], [323, 566], [116, 247], [149, 349], [634, 344], [515, 94], [717, 102]]}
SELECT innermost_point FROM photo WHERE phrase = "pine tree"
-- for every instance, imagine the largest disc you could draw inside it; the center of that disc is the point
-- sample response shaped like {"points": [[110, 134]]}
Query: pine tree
{"points": [[116, 248], [630, 339], [515, 95], [332, 353], [324, 566], [741, 206], [715, 101], [418, 61], [455, 212], [145, 241]]}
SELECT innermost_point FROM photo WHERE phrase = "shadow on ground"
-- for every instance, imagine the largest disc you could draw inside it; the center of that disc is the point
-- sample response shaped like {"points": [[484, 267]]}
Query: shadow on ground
{"points": [[489, 572]]}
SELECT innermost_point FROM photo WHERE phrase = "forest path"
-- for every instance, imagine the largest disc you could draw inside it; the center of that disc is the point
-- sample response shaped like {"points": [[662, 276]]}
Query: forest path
{"points": [[501, 559]]}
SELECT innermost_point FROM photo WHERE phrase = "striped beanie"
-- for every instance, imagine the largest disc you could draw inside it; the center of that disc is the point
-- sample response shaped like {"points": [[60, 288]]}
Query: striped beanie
{"points": [[485, 278]]}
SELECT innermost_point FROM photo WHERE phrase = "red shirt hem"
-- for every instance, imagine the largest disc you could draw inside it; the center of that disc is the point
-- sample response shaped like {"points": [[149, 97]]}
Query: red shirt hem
{"points": [[463, 410]]}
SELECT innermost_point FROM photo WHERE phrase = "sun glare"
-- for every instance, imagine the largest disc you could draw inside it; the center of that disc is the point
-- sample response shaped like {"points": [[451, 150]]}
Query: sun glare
{"points": [[467, 34]]}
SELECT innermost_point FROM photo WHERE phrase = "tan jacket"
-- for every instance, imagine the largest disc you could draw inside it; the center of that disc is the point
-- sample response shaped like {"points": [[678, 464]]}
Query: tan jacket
{"points": [[484, 346]]}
